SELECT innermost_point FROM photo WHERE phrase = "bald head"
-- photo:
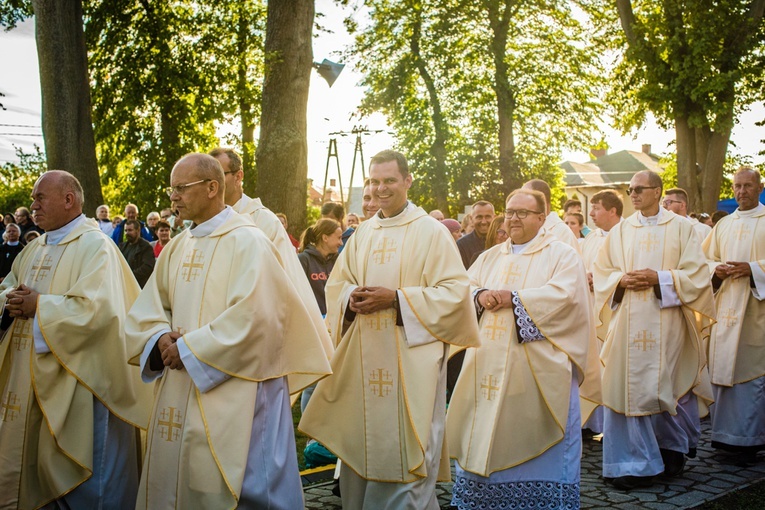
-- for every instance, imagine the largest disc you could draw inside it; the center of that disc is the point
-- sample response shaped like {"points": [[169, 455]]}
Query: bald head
{"points": [[542, 187], [57, 199], [197, 187], [654, 179]]}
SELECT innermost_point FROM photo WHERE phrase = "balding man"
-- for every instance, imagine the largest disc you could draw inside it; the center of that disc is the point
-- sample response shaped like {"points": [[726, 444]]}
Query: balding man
{"points": [[652, 275], [70, 402], [211, 326], [131, 213], [736, 252], [553, 223], [482, 214]]}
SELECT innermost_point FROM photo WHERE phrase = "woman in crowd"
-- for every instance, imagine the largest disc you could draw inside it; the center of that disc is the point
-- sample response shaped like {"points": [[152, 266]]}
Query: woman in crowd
{"points": [[318, 249], [575, 222], [163, 230], [10, 248], [496, 235]]}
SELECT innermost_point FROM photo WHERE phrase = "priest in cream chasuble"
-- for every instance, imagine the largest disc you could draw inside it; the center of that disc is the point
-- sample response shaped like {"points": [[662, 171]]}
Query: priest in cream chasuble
{"points": [[652, 274], [267, 221], [69, 404], [736, 253], [210, 327], [535, 325], [606, 209], [382, 411]]}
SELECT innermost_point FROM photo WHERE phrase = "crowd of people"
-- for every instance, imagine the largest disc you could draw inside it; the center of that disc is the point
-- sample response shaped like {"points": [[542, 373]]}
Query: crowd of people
{"points": [[502, 341]]}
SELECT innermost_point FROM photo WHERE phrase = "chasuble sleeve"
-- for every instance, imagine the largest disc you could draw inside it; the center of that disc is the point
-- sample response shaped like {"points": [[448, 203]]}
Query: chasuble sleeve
{"points": [[442, 302], [691, 276], [241, 335], [83, 324], [560, 309], [607, 272]]}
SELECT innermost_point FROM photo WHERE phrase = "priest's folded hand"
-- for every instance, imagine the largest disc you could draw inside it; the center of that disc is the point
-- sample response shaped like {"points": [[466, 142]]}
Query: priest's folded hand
{"points": [[172, 358], [493, 300], [739, 269], [22, 302], [366, 300]]}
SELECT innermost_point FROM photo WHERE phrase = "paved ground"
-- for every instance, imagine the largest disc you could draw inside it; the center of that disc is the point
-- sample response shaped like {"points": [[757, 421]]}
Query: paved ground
{"points": [[708, 476]]}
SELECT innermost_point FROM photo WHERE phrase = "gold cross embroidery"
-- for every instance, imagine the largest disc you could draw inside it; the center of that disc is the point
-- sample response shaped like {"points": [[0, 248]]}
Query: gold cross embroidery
{"points": [[730, 318], [497, 327], [380, 320], [648, 243], [383, 385], [41, 268], [644, 340], [742, 232], [172, 429], [488, 388], [24, 335], [192, 265], [11, 406], [384, 251], [510, 274]]}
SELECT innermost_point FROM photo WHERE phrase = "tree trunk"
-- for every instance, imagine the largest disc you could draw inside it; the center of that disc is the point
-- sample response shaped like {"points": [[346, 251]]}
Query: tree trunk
{"points": [[282, 153], [245, 106], [508, 165], [66, 120], [439, 178]]}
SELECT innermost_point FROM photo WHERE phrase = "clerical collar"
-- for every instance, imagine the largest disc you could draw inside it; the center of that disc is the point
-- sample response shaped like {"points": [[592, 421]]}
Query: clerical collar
{"points": [[55, 236], [517, 249], [751, 212], [650, 221], [12, 243], [209, 226], [380, 212]]}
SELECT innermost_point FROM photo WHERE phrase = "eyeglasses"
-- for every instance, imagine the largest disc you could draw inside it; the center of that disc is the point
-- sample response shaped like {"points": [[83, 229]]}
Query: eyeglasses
{"points": [[640, 189], [501, 232], [182, 187], [669, 201], [521, 213]]}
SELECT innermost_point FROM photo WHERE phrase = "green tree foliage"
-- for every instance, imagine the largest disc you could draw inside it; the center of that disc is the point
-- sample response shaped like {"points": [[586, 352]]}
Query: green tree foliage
{"points": [[162, 74], [496, 109], [694, 64], [14, 11], [18, 179]]}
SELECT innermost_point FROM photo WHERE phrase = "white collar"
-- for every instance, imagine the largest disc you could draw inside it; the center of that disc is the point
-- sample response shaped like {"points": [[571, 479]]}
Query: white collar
{"points": [[650, 220], [209, 226], [56, 236], [517, 249], [751, 212]]}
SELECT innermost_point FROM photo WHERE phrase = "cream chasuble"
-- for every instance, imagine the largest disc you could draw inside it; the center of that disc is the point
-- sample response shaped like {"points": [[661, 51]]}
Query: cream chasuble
{"points": [[234, 316], [558, 228], [375, 411], [511, 400], [652, 356], [590, 248], [271, 226], [46, 418], [737, 344]]}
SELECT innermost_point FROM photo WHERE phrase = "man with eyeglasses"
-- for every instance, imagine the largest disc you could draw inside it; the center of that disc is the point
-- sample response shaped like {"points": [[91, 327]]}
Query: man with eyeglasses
{"points": [[652, 274], [515, 435], [736, 252], [676, 200], [220, 326], [272, 227], [553, 223]]}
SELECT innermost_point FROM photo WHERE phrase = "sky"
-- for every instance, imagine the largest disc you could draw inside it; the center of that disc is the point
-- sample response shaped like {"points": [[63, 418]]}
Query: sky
{"points": [[330, 110]]}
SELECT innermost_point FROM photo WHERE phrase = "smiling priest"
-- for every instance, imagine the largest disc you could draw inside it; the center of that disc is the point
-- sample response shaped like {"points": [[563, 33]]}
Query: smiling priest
{"points": [[210, 326], [396, 298], [513, 423]]}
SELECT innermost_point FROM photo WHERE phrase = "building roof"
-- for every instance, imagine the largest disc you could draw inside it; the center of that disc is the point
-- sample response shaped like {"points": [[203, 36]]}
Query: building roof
{"points": [[609, 170]]}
